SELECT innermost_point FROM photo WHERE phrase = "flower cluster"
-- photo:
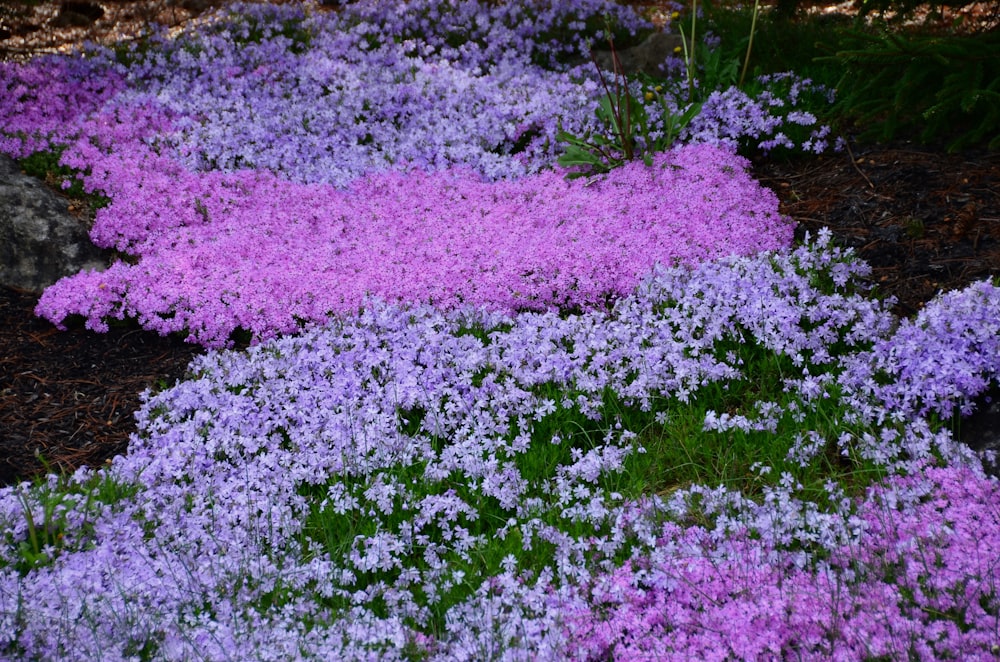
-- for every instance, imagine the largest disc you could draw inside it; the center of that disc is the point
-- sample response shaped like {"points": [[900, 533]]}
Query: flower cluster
{"points": [[250, 251], [550, 32], [331, 97], [327, 97], [43, 101], [344, 108], [698, 597], [777, 116], [941, 360]]}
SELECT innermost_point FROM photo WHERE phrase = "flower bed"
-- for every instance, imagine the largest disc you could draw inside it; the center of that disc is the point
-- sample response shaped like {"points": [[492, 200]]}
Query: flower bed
{"points": [[620, 417], [462, 485]]}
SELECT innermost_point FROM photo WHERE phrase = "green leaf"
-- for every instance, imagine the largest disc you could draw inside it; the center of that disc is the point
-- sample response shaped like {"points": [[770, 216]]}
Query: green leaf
{"points": [[574, 156]]}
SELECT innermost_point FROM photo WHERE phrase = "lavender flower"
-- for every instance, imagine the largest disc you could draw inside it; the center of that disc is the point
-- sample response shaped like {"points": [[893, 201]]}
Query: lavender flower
{"points": [[445, 468]]}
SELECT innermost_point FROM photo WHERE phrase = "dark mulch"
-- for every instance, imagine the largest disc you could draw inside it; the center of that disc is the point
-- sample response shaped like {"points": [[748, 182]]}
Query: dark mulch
{"points": [[67, 397], [926, 221]]}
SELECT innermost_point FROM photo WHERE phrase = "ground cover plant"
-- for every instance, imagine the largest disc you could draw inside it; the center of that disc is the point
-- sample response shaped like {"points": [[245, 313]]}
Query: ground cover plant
{"points": [[638, 421], [411, 483], [182, 138], [263, 255]]}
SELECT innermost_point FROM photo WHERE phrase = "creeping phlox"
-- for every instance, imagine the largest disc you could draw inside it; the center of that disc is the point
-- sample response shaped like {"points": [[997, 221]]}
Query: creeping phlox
{"points": [[326, 97], [382, 488], [329, 97], [218, 253], [450, 458], [42, 101], [213, 149]]}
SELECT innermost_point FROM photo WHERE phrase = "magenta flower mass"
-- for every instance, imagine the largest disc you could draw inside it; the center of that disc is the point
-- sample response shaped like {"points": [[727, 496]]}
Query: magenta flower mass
{"points": [[251, 251], [486, 411]]}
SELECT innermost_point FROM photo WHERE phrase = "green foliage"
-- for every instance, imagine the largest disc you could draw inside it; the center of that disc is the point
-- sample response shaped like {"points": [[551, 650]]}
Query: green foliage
{"points": [[629, 134], [890, 84], [620, 113], [47, 167], [937, 88], [716, 70], [626, 131], [778, 45]]}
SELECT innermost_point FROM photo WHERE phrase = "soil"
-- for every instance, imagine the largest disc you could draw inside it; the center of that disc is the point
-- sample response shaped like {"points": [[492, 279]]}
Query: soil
{"points": [[67, 397], [927, 221], [924, 219]]}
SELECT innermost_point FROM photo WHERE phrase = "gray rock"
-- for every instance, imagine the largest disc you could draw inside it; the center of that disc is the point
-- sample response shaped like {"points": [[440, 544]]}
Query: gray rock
{"points": [[40, 241], [647, 57]]}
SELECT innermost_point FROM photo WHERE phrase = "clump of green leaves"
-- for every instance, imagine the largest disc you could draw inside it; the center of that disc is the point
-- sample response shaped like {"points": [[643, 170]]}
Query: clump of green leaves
{"points": [[627, 131], [625, 121], [45, 165], [937, 88]]}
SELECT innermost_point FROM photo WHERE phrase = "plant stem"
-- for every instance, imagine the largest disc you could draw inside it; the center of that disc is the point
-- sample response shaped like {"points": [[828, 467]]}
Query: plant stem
{"points": [[691, 62], [623, 120], [753, 29]]}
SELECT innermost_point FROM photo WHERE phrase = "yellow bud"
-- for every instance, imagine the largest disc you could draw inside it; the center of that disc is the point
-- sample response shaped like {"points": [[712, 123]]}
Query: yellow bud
{"points": [[658, 88], [677, 49], [675, 15], [649, 96]]}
